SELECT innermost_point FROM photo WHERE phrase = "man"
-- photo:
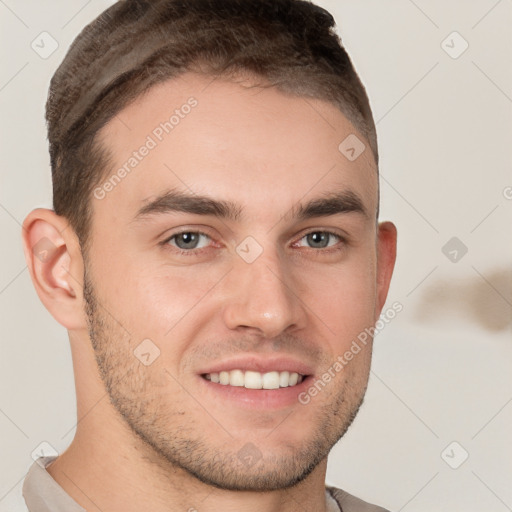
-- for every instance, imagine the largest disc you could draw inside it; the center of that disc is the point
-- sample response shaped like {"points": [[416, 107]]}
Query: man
{"points": [[213, 252]]}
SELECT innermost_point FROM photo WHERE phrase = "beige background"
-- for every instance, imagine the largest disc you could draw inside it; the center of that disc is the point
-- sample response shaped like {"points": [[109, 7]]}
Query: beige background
{"points": [[442, 367]]}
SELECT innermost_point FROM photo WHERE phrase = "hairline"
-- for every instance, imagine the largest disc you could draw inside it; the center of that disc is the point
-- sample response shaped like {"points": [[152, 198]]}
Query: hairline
{"points": [[250, 79], [106, 155]]}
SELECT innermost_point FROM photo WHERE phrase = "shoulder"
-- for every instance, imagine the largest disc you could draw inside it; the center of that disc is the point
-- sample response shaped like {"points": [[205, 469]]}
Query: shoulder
{"points": [[13, 501], [349, 503]]}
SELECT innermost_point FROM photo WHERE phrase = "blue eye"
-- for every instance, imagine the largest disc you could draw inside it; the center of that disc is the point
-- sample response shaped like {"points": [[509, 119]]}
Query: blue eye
{"points": [[189, 240], [320, 239]]}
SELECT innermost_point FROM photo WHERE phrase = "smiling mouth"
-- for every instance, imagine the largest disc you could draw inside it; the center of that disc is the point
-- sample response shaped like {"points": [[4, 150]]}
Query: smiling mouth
{"points": [[255, 380]]}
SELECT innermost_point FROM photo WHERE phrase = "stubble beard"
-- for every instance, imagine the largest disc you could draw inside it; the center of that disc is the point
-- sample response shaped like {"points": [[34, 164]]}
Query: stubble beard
{"points": [[172, 439]]}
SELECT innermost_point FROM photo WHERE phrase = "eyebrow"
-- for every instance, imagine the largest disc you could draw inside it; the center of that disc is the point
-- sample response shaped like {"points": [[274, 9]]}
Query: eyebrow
{"points": [[181, 202]]}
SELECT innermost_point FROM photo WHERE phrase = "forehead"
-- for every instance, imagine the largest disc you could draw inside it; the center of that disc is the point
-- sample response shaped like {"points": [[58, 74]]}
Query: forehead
{"points": [[231, 140]]}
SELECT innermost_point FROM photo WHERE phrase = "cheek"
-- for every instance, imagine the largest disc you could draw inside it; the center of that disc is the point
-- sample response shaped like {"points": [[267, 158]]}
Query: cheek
{"points": [[343, 297], [158, 301]]}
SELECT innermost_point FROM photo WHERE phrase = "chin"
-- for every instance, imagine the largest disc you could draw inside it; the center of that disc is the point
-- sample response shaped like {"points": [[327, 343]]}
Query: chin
{"points": [[264, 475]]}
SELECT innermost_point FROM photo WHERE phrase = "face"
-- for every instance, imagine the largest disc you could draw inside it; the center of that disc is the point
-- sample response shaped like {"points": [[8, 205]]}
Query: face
{"points": [[231, 263]]}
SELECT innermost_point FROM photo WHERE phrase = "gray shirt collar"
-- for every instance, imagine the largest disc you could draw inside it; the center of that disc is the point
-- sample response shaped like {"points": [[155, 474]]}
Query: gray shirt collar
{"points": [[43, 494]]}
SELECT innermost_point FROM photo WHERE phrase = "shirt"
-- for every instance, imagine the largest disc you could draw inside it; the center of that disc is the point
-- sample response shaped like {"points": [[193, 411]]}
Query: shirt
{"points": [[41, 493]]}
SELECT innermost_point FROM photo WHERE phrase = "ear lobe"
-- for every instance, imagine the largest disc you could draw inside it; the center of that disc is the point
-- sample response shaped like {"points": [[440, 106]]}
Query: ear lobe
{"points": [[386, 257], [54, 259]]}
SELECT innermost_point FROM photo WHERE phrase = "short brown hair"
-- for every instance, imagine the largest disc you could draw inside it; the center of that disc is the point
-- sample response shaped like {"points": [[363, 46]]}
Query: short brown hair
{"points": [[135, 44]]}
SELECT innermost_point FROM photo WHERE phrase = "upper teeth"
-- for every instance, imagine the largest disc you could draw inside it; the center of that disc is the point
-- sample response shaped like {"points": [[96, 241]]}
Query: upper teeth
{"points": [[256, 380]]}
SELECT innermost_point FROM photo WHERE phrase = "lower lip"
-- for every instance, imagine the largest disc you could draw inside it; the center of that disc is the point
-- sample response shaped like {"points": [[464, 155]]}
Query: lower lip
{"points": [[257, 398]]}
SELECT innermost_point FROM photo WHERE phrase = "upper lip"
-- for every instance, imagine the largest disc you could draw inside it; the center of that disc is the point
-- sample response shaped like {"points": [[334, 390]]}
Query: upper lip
{"points": [[258, 364]]}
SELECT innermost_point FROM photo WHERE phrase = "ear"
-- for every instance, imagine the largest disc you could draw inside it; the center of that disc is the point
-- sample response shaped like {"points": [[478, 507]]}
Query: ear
{"points": [[54, 259], [386, 256]]}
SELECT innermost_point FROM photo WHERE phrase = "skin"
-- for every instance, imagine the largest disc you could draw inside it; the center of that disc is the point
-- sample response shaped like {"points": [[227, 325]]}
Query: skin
{"points": [[159, 437]]}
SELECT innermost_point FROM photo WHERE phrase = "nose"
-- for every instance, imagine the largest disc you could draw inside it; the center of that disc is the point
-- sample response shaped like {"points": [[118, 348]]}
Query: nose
{"points": [[262, 296]]}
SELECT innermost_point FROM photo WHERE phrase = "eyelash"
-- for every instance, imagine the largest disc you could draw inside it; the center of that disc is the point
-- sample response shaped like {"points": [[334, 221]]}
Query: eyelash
{"points": [[195, 252]]}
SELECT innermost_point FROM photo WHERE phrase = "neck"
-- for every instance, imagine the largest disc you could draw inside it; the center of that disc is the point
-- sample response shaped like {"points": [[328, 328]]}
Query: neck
{"points": [[104, 474]]}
